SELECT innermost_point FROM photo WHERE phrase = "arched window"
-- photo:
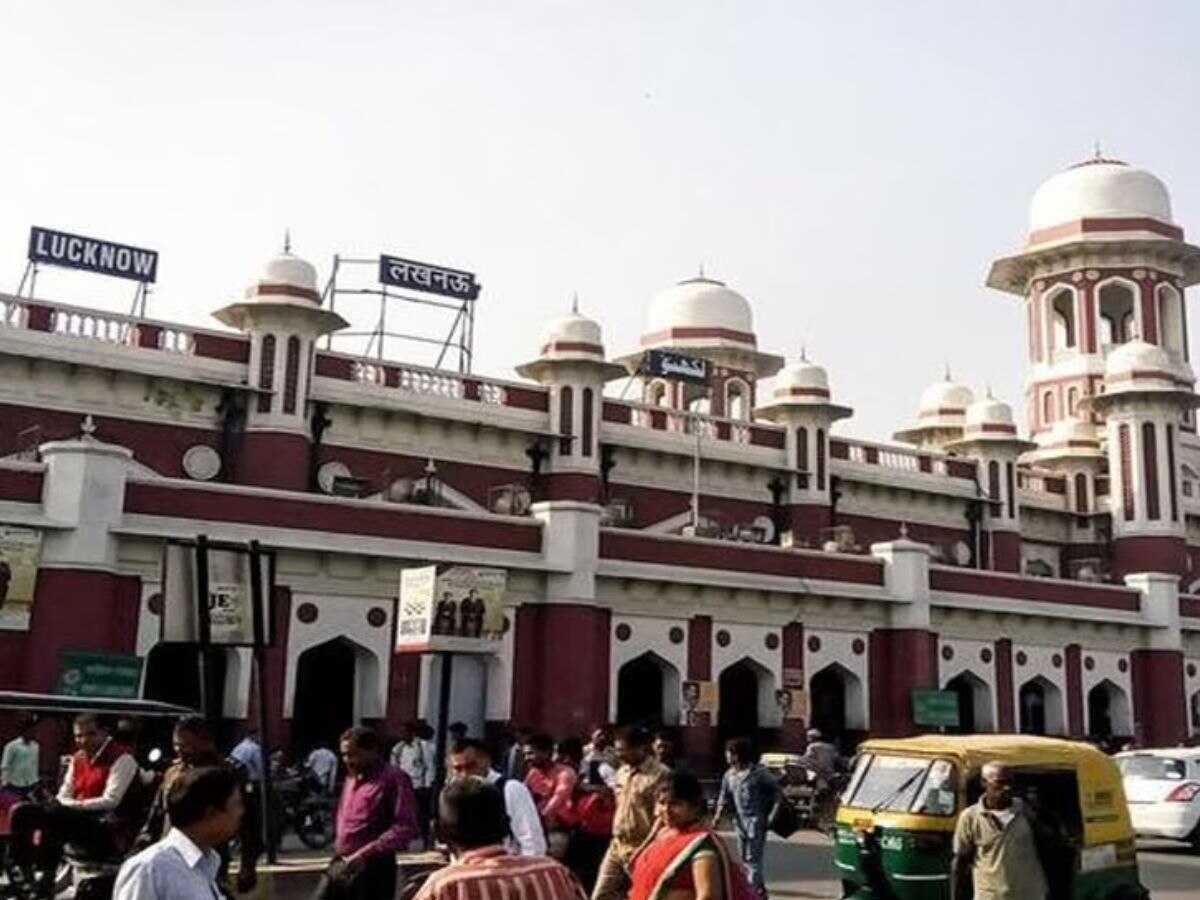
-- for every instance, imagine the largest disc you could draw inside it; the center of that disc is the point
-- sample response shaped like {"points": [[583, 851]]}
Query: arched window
{"points": [[820, 459], [266, 373], [657, 393], [993, 480], [1150, 469], [1062, 316], [1048, 408], [1126, 472], [1081, 494], [1117, 312], [802, 455], [1170, 319], [737, 399], [291, 374], [588, 410], [566, 420], [1072, 400]]}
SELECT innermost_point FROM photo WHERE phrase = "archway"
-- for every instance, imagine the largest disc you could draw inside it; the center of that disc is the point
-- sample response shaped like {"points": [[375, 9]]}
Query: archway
{"points": [[835, 704], [974, 702], [1108, 711], [323, 707], [1040, 704], [648, 692], [173, 675], [740, 689]]}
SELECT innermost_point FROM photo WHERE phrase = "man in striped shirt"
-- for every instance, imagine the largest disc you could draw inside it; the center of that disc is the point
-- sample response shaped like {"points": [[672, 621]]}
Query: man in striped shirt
{"points": [[473, 822]]}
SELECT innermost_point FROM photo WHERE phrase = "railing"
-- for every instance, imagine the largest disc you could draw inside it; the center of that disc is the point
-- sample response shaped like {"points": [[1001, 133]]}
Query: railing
{"points": [[715, 428], [1039, 482], [112, 329], [12, 312], [900, 459]]}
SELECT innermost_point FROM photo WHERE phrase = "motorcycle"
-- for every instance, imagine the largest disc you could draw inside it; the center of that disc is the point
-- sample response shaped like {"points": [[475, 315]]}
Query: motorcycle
{"points": [[304, 806]]}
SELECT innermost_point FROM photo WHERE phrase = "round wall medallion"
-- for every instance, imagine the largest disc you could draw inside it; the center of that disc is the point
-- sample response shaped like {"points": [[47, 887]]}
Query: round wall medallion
{"points": [[1122, 665], [1021, 658], [1089, 663], [858, 646], [1191, 670], [624, 632], [306, 613], [329, 472], [676, 635], [771, 641], [986, 654], [1077, 276], [376, 616], [1040, 286], [1139, 274], [1092, 275], [814, 644], [155, 604], [201, 463], [947, 652], [1056, 660], [723, 638]]}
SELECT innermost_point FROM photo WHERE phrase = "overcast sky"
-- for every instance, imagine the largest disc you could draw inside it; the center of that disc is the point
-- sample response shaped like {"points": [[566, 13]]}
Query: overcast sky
{"points": [[852, 168]]}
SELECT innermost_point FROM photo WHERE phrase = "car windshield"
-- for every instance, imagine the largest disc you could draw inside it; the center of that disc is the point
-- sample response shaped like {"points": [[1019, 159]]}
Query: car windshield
{"points": [[1143, 765], [903, 784]]}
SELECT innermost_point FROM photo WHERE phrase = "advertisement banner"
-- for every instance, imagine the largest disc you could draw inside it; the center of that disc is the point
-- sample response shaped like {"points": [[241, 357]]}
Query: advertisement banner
{"points": [[230, 604], [19, 552], [699, 702], [112, 675], [792, 703], [58, 248], [458, 609]]}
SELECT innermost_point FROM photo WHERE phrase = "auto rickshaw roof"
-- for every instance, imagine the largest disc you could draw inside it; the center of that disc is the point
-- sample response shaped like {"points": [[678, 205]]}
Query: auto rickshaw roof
{"points": [[975, 750], [68, 704]]}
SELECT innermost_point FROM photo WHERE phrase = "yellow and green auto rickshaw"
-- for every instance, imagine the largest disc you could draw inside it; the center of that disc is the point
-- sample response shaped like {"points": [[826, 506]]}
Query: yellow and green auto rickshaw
{"points": [[896, 821]]}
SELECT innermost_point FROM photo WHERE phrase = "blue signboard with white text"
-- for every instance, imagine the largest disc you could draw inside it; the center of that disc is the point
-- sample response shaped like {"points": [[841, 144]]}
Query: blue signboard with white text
{"points": [[58, 248]]}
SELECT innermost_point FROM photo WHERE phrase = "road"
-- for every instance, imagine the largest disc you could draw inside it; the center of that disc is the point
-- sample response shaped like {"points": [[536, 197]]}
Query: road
{"points": [[802, 868]]}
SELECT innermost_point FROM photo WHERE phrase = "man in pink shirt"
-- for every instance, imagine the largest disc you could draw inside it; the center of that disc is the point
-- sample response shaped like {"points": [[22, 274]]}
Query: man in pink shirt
{"points": [[376, 819], [553, 787]]}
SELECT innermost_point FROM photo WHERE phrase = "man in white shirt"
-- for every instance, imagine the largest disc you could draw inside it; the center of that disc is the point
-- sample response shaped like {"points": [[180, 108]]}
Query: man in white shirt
{"points": [[19, 762], [414, 756], [470, 757], [248, 751], [323, 763], [205, 809]]}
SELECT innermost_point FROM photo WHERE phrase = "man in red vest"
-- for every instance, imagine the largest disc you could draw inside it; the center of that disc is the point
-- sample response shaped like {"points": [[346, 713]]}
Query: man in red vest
{"points": [[94, 810]]}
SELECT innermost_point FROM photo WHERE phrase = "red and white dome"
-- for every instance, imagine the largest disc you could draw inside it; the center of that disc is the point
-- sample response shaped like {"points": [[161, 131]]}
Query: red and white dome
{"points": [[945, 399], [1139, 366], [1099, 189], [801, 384], [699, 309], [573, 336], [286, 275], [989, 418]]}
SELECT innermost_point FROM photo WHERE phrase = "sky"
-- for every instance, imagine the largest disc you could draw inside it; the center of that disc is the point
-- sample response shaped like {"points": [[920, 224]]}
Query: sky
{"points": [[851, 168]]}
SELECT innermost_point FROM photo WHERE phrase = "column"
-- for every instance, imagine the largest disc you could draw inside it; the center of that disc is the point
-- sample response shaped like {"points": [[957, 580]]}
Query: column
{"points": [[1156, 668], [699, 741]]}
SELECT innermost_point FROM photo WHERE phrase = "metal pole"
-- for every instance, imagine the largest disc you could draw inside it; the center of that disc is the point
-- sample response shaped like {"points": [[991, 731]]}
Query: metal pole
{"points": [[260, 611], [33, 282], [696, 475], [447, 676], [204, 632]]}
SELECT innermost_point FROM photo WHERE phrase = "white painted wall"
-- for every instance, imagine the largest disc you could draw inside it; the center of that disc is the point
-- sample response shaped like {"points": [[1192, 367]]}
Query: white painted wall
{"points": [[838, 647], [749, 641], [649, 635], [967, 657], [1039, 661], [1107, 666]]}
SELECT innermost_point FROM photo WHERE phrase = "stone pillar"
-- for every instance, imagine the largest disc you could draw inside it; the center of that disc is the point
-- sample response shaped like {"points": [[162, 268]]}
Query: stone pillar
{"points": [[1074, 695], [792, 733], [903, 657], [1156, 669], [1006, 718], [699, 740]]}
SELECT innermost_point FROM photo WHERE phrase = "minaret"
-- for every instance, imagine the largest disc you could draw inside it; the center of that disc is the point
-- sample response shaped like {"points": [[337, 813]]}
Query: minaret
{"points": [[941, 415], [282, 314], [802, 403]]}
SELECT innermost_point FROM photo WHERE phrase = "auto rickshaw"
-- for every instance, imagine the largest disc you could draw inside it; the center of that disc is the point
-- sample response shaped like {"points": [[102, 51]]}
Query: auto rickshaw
{"points": [[895, 824]]}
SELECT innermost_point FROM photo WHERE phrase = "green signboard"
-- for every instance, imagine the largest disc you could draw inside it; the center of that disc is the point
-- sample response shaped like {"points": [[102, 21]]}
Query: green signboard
{"points": [[935, 708], [112, 675]]}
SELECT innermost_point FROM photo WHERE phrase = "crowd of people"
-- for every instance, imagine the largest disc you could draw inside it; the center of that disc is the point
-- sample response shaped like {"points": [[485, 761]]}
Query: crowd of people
{"points": [[611, 818]]}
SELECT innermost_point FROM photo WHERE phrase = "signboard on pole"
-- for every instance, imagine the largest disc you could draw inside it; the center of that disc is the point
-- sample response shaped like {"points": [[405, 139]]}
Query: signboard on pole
{"points": [[935, 708], [19, 551], [676, 367], [428, 278], [112, 675], [230, 602], [73, 251], [458, 609]]}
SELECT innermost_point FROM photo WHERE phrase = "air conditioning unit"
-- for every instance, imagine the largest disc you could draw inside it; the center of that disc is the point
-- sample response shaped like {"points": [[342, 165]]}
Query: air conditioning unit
{"points": [[618, 514], [349, 486], [838, 539]]}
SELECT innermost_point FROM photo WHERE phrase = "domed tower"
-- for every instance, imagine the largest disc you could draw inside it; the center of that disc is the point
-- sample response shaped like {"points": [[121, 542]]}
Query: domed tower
{"points": [[705, 318], [941, 415], [802, 402], [1146, 391], [1103, 263], [282, 314], [989, 435], [572, 365]]}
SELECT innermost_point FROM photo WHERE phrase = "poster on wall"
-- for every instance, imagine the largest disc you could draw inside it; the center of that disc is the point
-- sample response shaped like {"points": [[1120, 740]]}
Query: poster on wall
{"points": [[460, 608], [699, 702], [19, 551], [230, 604], [792, 703]]}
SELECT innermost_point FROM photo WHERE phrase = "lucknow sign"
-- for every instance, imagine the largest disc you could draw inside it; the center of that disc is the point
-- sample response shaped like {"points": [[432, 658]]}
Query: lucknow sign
{"points": [[58, 248], [427, 278], [935, 708]]}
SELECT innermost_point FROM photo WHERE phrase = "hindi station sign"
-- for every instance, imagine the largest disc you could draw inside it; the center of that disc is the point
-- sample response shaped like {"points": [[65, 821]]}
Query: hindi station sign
{"points": [[935, 708], [73, 251], [428, 278]]}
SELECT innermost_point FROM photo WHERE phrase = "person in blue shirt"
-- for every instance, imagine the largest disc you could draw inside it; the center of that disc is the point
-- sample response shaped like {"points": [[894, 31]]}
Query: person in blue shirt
{"points": [[205, 808], [750, 793]]}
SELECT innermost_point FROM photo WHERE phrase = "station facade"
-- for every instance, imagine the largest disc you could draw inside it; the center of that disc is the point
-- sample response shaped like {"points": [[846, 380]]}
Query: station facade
{"points": [[1050, 580]]}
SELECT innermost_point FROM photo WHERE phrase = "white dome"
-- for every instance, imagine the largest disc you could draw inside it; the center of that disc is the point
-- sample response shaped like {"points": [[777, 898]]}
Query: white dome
{"points": [[1138, 356], [989, 411], [700, 303], [290, 270], [573, 329], [801, 375], [945, 397], [1097, 189]]}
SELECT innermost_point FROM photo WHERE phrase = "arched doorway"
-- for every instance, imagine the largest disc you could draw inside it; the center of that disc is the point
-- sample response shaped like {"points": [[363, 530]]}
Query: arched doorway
{"points": [[836, 702], [1040, 704], [640, 689], [324, 703], [739, 691], [974, 702], [173, 675], [1108, 711]]}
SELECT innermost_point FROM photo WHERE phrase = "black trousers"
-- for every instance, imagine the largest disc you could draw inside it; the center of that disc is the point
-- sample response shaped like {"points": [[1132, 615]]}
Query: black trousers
{"points": [[376, 880], [96, 836]]}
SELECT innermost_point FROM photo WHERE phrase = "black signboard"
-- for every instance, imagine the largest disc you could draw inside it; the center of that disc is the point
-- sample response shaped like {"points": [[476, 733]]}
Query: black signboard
{"points": [[58, 248], [677, 367], [431, 279]]}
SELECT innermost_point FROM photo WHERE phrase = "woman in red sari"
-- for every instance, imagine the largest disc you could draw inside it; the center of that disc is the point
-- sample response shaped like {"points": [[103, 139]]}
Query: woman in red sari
{"points": [[683, 859]]}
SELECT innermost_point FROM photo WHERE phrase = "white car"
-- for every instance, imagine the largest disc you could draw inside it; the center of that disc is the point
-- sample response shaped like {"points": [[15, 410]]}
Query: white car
{"points": [[1163, 791]]}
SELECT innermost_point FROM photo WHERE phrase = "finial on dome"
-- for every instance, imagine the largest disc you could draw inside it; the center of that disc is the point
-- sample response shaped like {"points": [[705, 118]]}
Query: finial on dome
{"points": [[946, 368], [701, 269], [575, 302], [803, 353], [287, 240], [988, 392], [1097, 151]]}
